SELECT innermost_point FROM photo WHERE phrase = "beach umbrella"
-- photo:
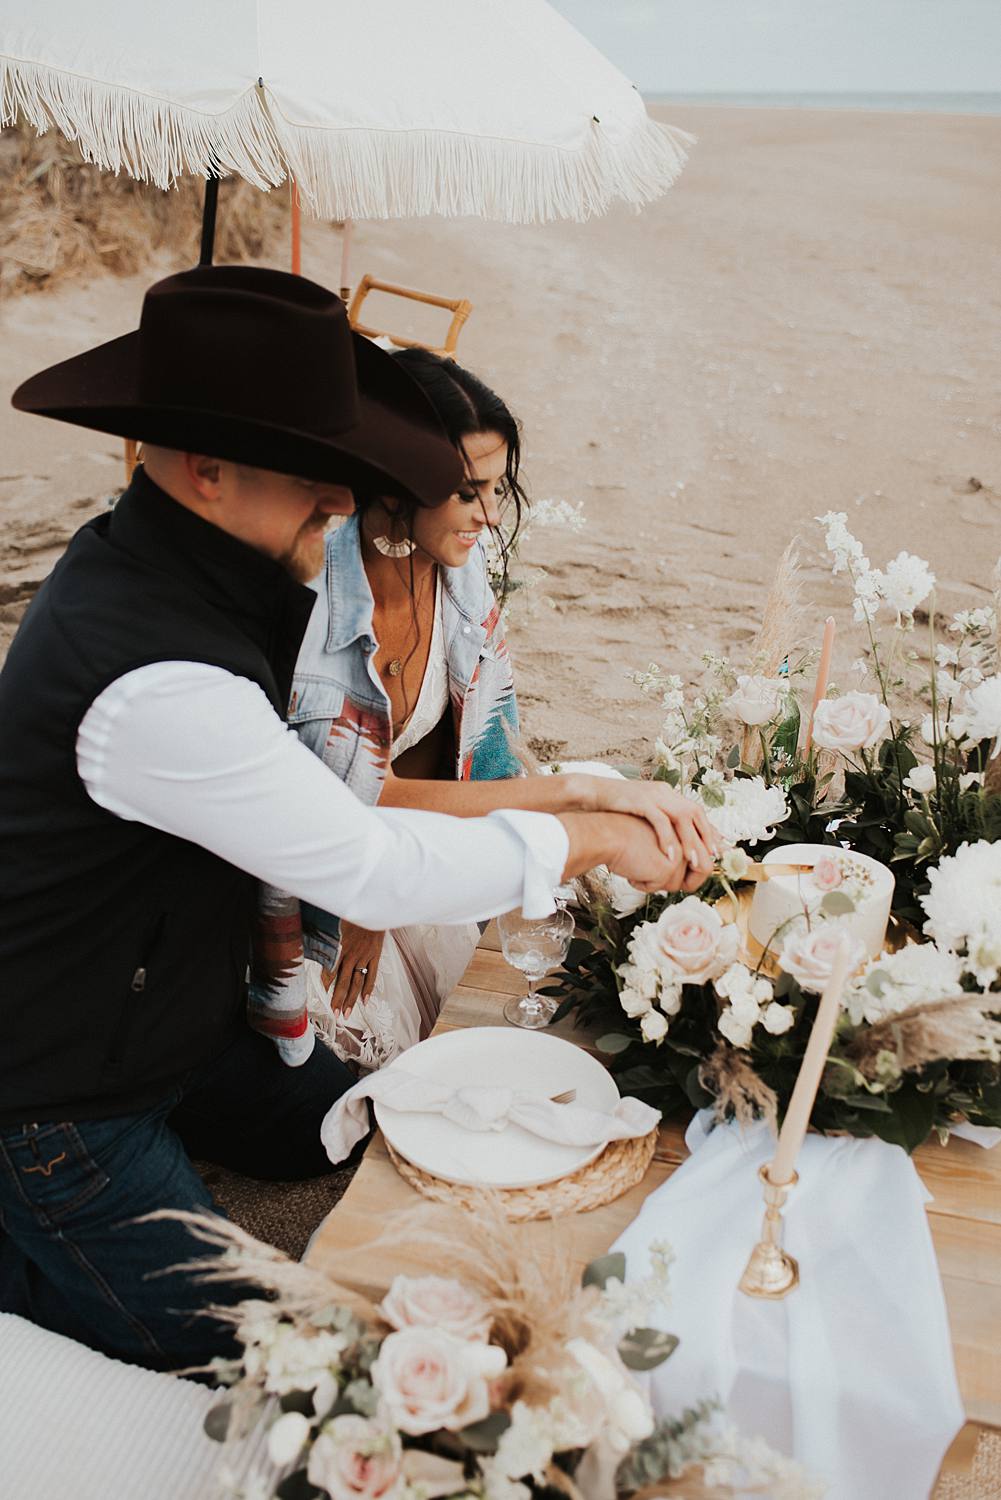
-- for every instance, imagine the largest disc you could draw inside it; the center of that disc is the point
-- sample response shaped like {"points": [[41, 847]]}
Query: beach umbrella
{"points": [[381, 109]]}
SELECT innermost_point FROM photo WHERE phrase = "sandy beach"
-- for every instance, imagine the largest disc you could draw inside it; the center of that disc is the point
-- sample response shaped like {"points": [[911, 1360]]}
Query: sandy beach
{"points": [[810, 320]]}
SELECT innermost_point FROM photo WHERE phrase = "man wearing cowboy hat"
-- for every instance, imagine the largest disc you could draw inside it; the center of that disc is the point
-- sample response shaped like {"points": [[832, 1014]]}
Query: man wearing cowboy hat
{"points": [[148, 780]]}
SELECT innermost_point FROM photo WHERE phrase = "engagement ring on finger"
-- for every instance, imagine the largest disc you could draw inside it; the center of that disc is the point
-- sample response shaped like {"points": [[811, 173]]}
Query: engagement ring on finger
{"points": [[363, 970]]}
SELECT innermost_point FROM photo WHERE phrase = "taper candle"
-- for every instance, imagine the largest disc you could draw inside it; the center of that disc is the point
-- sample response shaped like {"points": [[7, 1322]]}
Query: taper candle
{"points": [[823, 677], [794, 1126]]}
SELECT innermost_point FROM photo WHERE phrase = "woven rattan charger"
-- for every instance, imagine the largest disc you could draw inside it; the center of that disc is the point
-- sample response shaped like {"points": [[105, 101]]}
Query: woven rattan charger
{"points": [[618, 1168]]}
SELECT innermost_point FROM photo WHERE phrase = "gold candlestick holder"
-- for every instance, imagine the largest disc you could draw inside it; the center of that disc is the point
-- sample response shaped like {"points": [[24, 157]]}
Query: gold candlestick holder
{"points": [[771, 1272]]}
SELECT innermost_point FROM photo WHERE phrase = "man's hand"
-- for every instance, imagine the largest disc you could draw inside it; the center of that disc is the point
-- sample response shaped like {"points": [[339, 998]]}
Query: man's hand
{"points": [[680, 823], [357, 967], [629, 847]]}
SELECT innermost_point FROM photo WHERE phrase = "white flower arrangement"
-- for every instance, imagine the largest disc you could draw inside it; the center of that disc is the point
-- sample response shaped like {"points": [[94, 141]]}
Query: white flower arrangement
{"points": [[450, 1391]]}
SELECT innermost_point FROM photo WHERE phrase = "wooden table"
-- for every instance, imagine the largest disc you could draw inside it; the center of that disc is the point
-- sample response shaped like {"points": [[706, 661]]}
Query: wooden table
{"points": [[965, 1215]]}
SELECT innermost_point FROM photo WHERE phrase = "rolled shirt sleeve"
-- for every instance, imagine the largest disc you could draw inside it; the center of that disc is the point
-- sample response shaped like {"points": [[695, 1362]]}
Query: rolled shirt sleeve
{"points": [[195, 751]]}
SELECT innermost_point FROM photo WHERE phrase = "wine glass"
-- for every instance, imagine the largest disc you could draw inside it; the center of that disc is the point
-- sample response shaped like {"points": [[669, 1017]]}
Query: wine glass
{"points": [[534, 945]]}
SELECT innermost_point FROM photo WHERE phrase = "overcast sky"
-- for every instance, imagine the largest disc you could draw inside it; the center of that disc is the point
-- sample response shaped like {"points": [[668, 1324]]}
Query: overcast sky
{"points": [[797, 46]]}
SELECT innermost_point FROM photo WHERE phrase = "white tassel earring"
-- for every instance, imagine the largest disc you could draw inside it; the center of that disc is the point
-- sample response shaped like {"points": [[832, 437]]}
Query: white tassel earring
{"points": [[389, 548]]}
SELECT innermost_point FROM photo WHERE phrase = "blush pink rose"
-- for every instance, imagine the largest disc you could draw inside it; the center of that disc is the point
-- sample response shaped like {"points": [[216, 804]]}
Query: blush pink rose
{"points": [[354, 1458], [828, 873], [430, 1380], [693, 942], [809, 956], [856, 721], [436, 1302]]}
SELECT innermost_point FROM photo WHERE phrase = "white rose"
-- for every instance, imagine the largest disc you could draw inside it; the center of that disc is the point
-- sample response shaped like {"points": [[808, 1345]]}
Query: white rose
{"points": [[856, 721], [286, 1438], [809, 956], [693, 942], [755, 700], [436, 1302], [624, 897], [356, 1459], [777, 1018], [921, 779], [736, 1031], [653, 1026], [628, 1419], [429, 1379]]}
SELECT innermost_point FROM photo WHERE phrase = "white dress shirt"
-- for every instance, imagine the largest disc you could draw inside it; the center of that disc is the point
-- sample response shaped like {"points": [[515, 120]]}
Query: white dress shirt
{"points": [[199, 752]]}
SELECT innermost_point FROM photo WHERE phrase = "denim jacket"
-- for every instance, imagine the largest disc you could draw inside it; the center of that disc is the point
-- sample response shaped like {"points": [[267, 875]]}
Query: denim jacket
{"points": [[341, 711]]}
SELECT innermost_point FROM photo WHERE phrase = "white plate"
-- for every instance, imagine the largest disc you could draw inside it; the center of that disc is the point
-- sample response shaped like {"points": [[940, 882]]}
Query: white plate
{"points": [[508, 1158]]}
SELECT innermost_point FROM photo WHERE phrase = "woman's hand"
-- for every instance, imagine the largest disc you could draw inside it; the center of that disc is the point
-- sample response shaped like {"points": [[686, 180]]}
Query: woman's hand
{"points": [[681, 826], [357, 967]]}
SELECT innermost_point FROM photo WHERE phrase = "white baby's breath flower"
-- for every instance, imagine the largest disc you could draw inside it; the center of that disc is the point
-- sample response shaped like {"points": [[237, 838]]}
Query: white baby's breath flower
{"points": [[946, 656]]}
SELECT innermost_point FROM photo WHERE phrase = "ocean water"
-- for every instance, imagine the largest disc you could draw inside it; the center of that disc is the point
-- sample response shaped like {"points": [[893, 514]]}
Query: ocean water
{"points": [[940, 104]]}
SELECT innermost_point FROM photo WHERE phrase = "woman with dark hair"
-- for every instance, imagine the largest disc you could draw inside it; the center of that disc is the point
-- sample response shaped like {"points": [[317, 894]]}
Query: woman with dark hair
{"points": [[404, 688]]}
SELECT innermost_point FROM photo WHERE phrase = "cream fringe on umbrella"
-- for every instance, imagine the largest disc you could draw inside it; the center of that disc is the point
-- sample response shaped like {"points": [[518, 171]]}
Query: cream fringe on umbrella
{"points": [[346, 173]]}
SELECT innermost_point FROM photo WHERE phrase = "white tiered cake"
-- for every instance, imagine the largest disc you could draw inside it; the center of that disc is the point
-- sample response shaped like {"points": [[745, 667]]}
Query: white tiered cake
{"points": [[782, 901]]}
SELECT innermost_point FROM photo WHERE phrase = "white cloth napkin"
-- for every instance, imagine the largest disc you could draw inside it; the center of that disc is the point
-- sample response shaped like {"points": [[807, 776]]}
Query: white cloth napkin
{"points": [[852, 1373], [482, 1108]]}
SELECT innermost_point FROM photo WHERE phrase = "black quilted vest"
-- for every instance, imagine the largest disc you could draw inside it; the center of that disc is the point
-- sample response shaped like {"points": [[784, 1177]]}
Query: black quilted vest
{"points": [[123, 950]]}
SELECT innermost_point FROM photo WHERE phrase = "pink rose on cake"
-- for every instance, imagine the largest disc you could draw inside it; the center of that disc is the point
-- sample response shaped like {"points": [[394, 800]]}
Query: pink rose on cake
{"points": [[828, 874]]}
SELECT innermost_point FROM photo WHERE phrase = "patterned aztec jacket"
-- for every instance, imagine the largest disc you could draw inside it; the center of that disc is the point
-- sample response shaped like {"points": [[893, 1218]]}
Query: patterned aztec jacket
{"points": [[341, 712]]}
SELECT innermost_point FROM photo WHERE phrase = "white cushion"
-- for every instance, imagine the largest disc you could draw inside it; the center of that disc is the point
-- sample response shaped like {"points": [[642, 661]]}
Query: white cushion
{"points": [[75, 1425]]}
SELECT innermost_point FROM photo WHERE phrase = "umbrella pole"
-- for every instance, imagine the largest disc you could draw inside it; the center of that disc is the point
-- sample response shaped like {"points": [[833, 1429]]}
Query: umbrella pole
{"points": [[296, 231], [346, 233], [208, 220]]}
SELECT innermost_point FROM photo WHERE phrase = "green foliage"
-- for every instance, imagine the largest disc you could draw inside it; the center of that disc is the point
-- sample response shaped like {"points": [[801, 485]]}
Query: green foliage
{"points": [[646, 1348], [605, 1269]]}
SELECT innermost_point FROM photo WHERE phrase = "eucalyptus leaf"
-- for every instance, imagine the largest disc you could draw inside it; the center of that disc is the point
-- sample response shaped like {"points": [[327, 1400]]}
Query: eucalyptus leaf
{"points": [[646, 1348], [613, 1042], [837, 904], [296, 1486], [483, 1437], [217, 1420], [605, 1269]]}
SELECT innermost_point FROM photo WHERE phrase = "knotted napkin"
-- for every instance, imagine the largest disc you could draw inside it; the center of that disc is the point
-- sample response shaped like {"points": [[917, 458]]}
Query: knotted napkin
{"points": [[479, 1108], [852, 1373]]}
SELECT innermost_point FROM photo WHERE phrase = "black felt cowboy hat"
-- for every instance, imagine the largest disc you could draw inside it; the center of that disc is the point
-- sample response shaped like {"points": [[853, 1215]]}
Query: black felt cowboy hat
{"points": [[260, 367]]}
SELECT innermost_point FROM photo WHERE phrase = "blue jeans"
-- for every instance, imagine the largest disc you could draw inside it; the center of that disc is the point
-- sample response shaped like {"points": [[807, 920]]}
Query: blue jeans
{"points": [[72, 1256]]}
